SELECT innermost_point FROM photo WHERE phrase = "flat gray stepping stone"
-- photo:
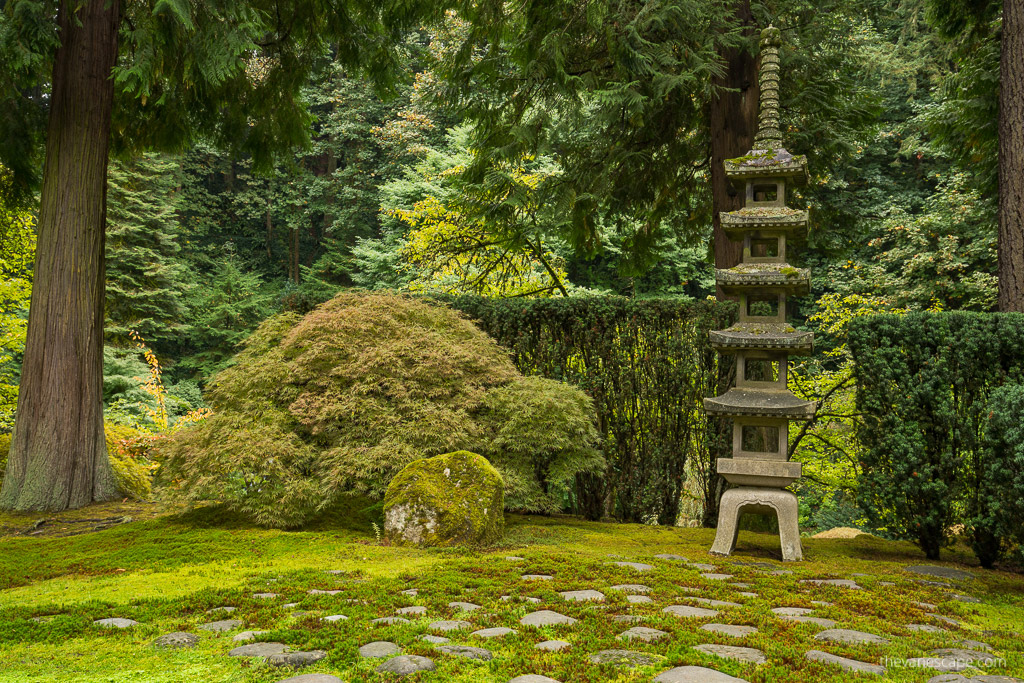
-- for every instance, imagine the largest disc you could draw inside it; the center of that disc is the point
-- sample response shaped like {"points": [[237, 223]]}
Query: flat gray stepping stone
{"points": [[546, 617], [289, 605], [45, 619], [821, 603], [335, 572], [533, 678], [221, 609], [116, 622], [624, 658], [740, 584], [671, 558], [390, 620], [627, 618], [266, 596], [633, 588], [552, 645], [940, 572], [740, 654], [406, 664], [176, 640], [703, 566], [747, 594], [965, 598], [259, 650], [536, 577], [635, 566], [415, 609], [463, 606], [925, 628], [379, 648], [638, 599], [411, 591], [695, 674], [781, 572], [583, 596], [436, 640], [817, 621], [792, 611], [842, 583], [886, 583], [466, 652], [715, 603], [248, 635], [710, 576], [514, 558], [951, 622], [974, 645], [730, 630], [843, 662], [335, 617], [451, 625], [509, 598], [937, 663], [647, 635], [496, 632], [966, 655], [313, 678], [689, 612], [844, 635], [297, 660], [221, 626], [317, 591], [926, 606], [690, 589]]}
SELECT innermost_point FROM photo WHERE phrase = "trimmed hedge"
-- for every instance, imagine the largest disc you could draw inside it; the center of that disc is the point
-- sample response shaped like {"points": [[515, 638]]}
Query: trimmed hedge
{"points": [[647, 364], [924, 381]]}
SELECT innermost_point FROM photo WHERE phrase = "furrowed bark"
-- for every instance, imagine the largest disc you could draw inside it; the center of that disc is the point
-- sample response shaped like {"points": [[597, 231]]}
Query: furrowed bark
{"points": [[1011, 159]]}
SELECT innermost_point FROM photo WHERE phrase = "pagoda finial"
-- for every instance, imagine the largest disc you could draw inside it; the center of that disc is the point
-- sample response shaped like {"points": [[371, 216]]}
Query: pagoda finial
{"points": [[768, 134]]}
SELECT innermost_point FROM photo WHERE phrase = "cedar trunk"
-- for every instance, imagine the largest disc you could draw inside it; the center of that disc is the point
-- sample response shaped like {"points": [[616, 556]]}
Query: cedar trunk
{"points": [[58, 457], [1011, 159], [733, 121]]}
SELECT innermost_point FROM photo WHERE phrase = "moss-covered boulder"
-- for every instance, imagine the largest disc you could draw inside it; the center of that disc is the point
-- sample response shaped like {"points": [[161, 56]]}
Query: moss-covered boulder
{"points": [[452, 499]]}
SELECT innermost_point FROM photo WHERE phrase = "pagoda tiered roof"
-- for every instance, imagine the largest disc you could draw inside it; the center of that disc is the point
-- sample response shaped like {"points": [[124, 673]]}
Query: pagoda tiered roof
{"points": [[749, 402], [763, 337], [736, 224], [775, 276], [762, 163]]}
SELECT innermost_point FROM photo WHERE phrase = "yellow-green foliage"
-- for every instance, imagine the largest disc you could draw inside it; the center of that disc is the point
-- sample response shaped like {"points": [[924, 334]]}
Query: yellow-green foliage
{"points": [[340, 400], [129, 460]]}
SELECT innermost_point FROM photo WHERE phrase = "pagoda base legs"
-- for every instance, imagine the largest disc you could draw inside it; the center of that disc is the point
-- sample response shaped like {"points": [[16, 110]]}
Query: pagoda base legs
{"points": [[743, 499]]}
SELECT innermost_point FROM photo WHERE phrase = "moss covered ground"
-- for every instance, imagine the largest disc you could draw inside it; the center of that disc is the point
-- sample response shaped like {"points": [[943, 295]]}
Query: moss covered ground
{"points": [[166, 571]]}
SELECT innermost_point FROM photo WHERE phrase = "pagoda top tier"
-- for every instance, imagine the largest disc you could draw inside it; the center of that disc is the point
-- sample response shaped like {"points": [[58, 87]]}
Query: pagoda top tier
{"points": [[768, 158]]}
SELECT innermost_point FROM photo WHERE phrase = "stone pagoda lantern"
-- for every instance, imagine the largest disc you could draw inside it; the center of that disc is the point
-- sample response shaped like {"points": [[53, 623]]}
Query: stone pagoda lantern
{"points": [[760, 404]]}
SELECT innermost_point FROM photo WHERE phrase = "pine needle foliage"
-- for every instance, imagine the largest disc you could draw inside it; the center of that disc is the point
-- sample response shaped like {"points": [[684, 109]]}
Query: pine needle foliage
{"points": [[338, 401]]}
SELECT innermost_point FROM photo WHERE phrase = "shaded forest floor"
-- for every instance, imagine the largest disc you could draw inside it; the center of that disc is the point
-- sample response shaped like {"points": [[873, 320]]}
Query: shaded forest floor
{"points": [[166, 572]]}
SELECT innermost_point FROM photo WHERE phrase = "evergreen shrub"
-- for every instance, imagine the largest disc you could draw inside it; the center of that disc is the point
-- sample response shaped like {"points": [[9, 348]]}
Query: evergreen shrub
{"points": [[924, 385], [336, 402], [998, 518], [647, 364]]}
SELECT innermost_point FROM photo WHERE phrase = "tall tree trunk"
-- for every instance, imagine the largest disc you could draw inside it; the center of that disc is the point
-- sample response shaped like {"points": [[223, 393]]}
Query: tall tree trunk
{"points": [[58, 456], [733, 120], [1011, 159]]}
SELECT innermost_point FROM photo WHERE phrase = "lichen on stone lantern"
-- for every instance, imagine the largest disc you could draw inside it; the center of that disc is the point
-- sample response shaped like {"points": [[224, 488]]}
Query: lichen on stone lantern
{"points": [[760, 404]]}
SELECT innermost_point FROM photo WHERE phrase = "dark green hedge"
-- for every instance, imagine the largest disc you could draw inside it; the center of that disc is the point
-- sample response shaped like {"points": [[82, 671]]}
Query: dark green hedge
{"points": [[648, 366], [923, 384]]}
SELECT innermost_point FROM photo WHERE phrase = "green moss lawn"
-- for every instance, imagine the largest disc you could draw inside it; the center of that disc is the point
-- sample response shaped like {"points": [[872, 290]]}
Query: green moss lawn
{"points": [[165, 572]]}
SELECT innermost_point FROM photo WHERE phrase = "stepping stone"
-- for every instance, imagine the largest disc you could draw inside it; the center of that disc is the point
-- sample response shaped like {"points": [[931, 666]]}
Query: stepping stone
{"points": [[514, 558], [715, 603], [536, 577], [951, 622], [627, 618], [221, 626], [406, 664], [843, 662], [690, 589], [116, 622], [583, 596], [729, 630], [176, 640], [862, 575], [843, 635], [313, 678], [957, 678], [335, 617], [926, 606], [624, 658], [974, 645], [638, 599], [647, 635], [317, 591], [703, 566], [266, 596], [842, 583], [925, 628], [248, 635], [415, 609], [817, 621], [259, 650], [411, 591], [297, 660], [964, 598], [379, 648], [937, 663], [760, 566], [546, 618], [390, 620], [509, 598], [886, 583], [689, 612], [739, 584], [335, 572], [466, 652], [45, 619], [634, 588], [463, 606], [747, 594], [791, 611], [821, 603], [636, 566], [716, 577], [940, 572], [965, 655], [496, 632], [552, 645], [740, 654], [290, 605], [436, 640], [781, 572], [672, 558], [533, 678], [221, 609], [445, 626], [695, 674]]}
